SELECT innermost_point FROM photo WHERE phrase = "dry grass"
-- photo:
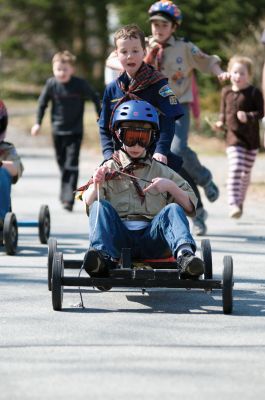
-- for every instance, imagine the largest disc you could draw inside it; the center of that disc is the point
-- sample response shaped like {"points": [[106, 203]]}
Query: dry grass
{"points": [[206, 145]]}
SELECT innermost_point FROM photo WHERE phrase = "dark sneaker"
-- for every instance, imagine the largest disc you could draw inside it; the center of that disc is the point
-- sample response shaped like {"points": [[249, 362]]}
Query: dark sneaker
{"points": [[211, 191], [67, 206], [199, 226], [96, 265], [191, 265]]}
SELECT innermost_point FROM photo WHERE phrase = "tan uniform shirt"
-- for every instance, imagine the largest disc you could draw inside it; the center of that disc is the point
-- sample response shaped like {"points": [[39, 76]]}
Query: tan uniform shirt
{"points": [[123, 196], [180, 58], [8, 153]]}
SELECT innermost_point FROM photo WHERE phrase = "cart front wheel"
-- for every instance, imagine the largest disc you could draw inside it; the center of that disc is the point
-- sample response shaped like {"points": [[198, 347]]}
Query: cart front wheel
{"points": [[44, 224], [227, 290], [52, 248], [57, 275], [10, 233], [206, 254]]}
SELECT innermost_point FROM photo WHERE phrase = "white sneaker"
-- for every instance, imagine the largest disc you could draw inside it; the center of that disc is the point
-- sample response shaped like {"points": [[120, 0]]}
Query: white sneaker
{"points": [[235, 211]]}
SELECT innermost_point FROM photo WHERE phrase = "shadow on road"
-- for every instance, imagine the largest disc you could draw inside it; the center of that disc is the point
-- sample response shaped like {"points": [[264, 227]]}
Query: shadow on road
{"points": [[246, 303]]}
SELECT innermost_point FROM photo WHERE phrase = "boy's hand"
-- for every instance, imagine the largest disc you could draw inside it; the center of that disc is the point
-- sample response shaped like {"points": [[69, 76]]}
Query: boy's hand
{"points": [[218, 126], [223, 76], [242, 116], [35, 130], [160, 157], [99, 175], [160, 184]]}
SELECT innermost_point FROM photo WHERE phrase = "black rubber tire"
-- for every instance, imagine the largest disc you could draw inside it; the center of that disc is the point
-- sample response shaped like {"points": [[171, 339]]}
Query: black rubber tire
{"points": [[52, 249], [206, 255], [44, 224], [105, 288], [227, 289], [57, 275], [10, 233]]}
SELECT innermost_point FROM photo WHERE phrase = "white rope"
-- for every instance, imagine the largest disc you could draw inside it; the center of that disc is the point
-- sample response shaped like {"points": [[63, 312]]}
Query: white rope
{"points": [[91, 236]]}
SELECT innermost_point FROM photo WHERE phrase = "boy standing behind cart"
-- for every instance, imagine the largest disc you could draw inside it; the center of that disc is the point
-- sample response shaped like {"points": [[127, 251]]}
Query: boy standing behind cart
{"points": [[68, 94]]}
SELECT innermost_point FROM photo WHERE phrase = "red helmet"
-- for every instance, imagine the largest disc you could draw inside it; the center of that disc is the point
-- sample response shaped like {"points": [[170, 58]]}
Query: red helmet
{"points": [[3, 117], [166, 9]]}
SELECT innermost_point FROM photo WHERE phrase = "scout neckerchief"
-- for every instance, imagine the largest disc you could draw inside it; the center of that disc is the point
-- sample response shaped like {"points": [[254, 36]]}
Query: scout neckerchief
{"points": [[129, 169], [156, 55], [146, 76]]}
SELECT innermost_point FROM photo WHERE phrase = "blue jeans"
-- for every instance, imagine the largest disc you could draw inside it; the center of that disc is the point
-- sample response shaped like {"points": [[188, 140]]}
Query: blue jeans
{"points": [[200, 174], [5, 190], [168, 230]]}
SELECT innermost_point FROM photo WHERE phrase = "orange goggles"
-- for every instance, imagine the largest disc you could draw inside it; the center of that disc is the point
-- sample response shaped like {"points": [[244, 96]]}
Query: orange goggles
{"points": [[132, 136]]}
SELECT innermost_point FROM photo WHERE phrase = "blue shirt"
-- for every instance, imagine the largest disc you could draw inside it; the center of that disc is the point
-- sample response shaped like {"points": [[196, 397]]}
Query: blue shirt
{"points": [[159, 95]]}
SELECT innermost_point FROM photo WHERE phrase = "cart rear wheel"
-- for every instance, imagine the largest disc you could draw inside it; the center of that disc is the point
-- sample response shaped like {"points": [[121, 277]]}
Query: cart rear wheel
{"points": [[44, 224], [10, 233], [206, 254], [52, 248], [57, 275], [227, 291]]}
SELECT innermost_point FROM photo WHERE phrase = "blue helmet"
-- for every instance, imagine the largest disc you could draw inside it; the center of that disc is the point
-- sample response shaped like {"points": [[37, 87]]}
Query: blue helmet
{"points": [[166, 9], [135, 110]]}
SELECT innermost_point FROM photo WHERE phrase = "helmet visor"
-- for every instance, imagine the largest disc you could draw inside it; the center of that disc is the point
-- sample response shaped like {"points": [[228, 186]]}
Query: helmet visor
{"points": [[131, 136]]}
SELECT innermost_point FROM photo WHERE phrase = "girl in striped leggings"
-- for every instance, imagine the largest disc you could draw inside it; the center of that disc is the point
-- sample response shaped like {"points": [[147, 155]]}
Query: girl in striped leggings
{"points": [[241, 110]]}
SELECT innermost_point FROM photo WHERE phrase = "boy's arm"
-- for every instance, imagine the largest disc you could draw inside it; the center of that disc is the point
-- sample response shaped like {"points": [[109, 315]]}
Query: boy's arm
{"points": [[180, 196], [169, 110], [43, 101], [90, 93], [42, 105], [13, 164], [90, 195], [167, 129], [104, 132], [10, 166], [209, 64]]}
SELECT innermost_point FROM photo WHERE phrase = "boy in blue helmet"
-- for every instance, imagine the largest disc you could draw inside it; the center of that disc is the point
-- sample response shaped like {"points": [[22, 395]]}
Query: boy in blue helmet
{"points": [[137, 202], [11, 167]]}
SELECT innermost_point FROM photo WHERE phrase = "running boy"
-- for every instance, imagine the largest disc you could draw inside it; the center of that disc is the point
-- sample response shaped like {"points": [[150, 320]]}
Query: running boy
{"points": [[148, 217], [176, 58], [11, 167], [241, 110], [68, 94]]}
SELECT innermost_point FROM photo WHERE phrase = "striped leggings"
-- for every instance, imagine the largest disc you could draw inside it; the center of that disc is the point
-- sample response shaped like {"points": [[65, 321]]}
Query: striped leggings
{"points": [[240, 163]]}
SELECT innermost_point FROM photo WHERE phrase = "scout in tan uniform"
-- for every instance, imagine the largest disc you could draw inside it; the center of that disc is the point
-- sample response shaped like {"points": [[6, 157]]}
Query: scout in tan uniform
{"points": [[11, 167], [176, 59], [136, 201]]}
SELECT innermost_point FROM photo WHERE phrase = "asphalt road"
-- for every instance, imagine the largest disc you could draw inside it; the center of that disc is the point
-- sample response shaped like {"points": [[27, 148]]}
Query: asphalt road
{"points": [[164, 344]]}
